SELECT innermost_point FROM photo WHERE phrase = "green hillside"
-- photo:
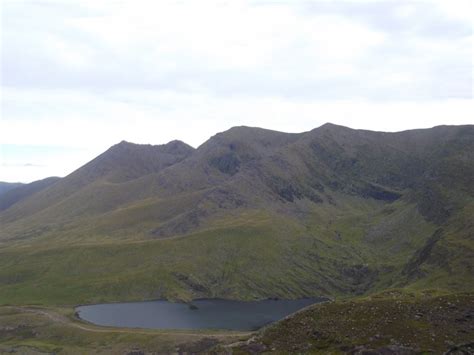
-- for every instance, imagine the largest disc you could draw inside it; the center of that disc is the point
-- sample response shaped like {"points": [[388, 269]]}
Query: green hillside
{"points": [[392, 322], [251, 213]]}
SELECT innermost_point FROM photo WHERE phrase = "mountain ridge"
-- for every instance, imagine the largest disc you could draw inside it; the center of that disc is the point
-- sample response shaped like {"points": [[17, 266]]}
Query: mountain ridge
{"points": [[255, 213]]}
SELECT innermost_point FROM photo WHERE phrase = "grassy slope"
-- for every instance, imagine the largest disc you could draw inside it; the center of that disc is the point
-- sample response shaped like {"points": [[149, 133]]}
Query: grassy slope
{"points": [[390, 322], [261, 232], [251, 254], [251, 213], [33, 331]]}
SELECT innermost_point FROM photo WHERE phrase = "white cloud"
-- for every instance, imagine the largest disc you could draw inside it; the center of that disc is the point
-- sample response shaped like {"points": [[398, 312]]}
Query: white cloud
{"points": [[460, 10], [158, 117], [83, 75], [235, 48]]}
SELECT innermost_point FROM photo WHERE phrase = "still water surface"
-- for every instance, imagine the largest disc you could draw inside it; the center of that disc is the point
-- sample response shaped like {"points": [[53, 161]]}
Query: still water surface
{"points": [[210, 313]]}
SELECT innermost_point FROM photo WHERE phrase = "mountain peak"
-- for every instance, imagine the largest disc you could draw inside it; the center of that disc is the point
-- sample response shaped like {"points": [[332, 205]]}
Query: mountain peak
{"points": [[178, 145], [252, 140], [125, 143], [126, 161], [331, 126]]}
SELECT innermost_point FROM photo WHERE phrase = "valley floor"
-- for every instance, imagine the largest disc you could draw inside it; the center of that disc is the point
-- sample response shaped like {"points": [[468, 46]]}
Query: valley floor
{"points": [[392, 322], [41, 330]]}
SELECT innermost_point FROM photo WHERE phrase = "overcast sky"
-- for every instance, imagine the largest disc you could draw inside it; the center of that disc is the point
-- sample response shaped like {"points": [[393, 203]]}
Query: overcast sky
{"points": [[80, 76]]}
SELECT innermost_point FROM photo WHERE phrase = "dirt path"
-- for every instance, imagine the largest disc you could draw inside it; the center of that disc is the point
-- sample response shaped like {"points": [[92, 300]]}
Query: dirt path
{"points": [[58, 318]]}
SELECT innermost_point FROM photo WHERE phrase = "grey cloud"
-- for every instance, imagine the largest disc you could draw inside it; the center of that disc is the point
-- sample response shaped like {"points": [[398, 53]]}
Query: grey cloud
{"points": [[28, 62]]}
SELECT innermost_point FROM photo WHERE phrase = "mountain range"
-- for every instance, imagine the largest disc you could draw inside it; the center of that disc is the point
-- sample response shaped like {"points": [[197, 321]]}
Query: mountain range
{"points": [[251, 213]]}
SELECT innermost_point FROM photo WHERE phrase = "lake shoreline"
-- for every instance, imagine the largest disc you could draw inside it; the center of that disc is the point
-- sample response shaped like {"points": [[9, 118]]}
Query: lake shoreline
{"points": [[198, 314]]}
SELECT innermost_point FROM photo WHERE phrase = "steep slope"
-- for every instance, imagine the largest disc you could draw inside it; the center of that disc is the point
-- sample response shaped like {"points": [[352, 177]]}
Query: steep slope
{"points": [[23, 191], [250, 213], [95, 187]]}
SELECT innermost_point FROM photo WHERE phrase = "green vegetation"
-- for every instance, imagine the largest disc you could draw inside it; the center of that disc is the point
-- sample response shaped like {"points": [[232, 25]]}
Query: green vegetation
{"points": [[394, 322], [54, 330], [250, 214], [251, 255]]}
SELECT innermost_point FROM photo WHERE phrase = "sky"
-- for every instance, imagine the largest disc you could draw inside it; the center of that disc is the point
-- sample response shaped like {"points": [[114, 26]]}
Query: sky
{"points": [[80, 76]]}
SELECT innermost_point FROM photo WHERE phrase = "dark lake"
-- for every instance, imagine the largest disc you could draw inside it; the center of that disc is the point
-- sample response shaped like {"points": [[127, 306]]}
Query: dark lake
{"points": [[209, 314]]}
